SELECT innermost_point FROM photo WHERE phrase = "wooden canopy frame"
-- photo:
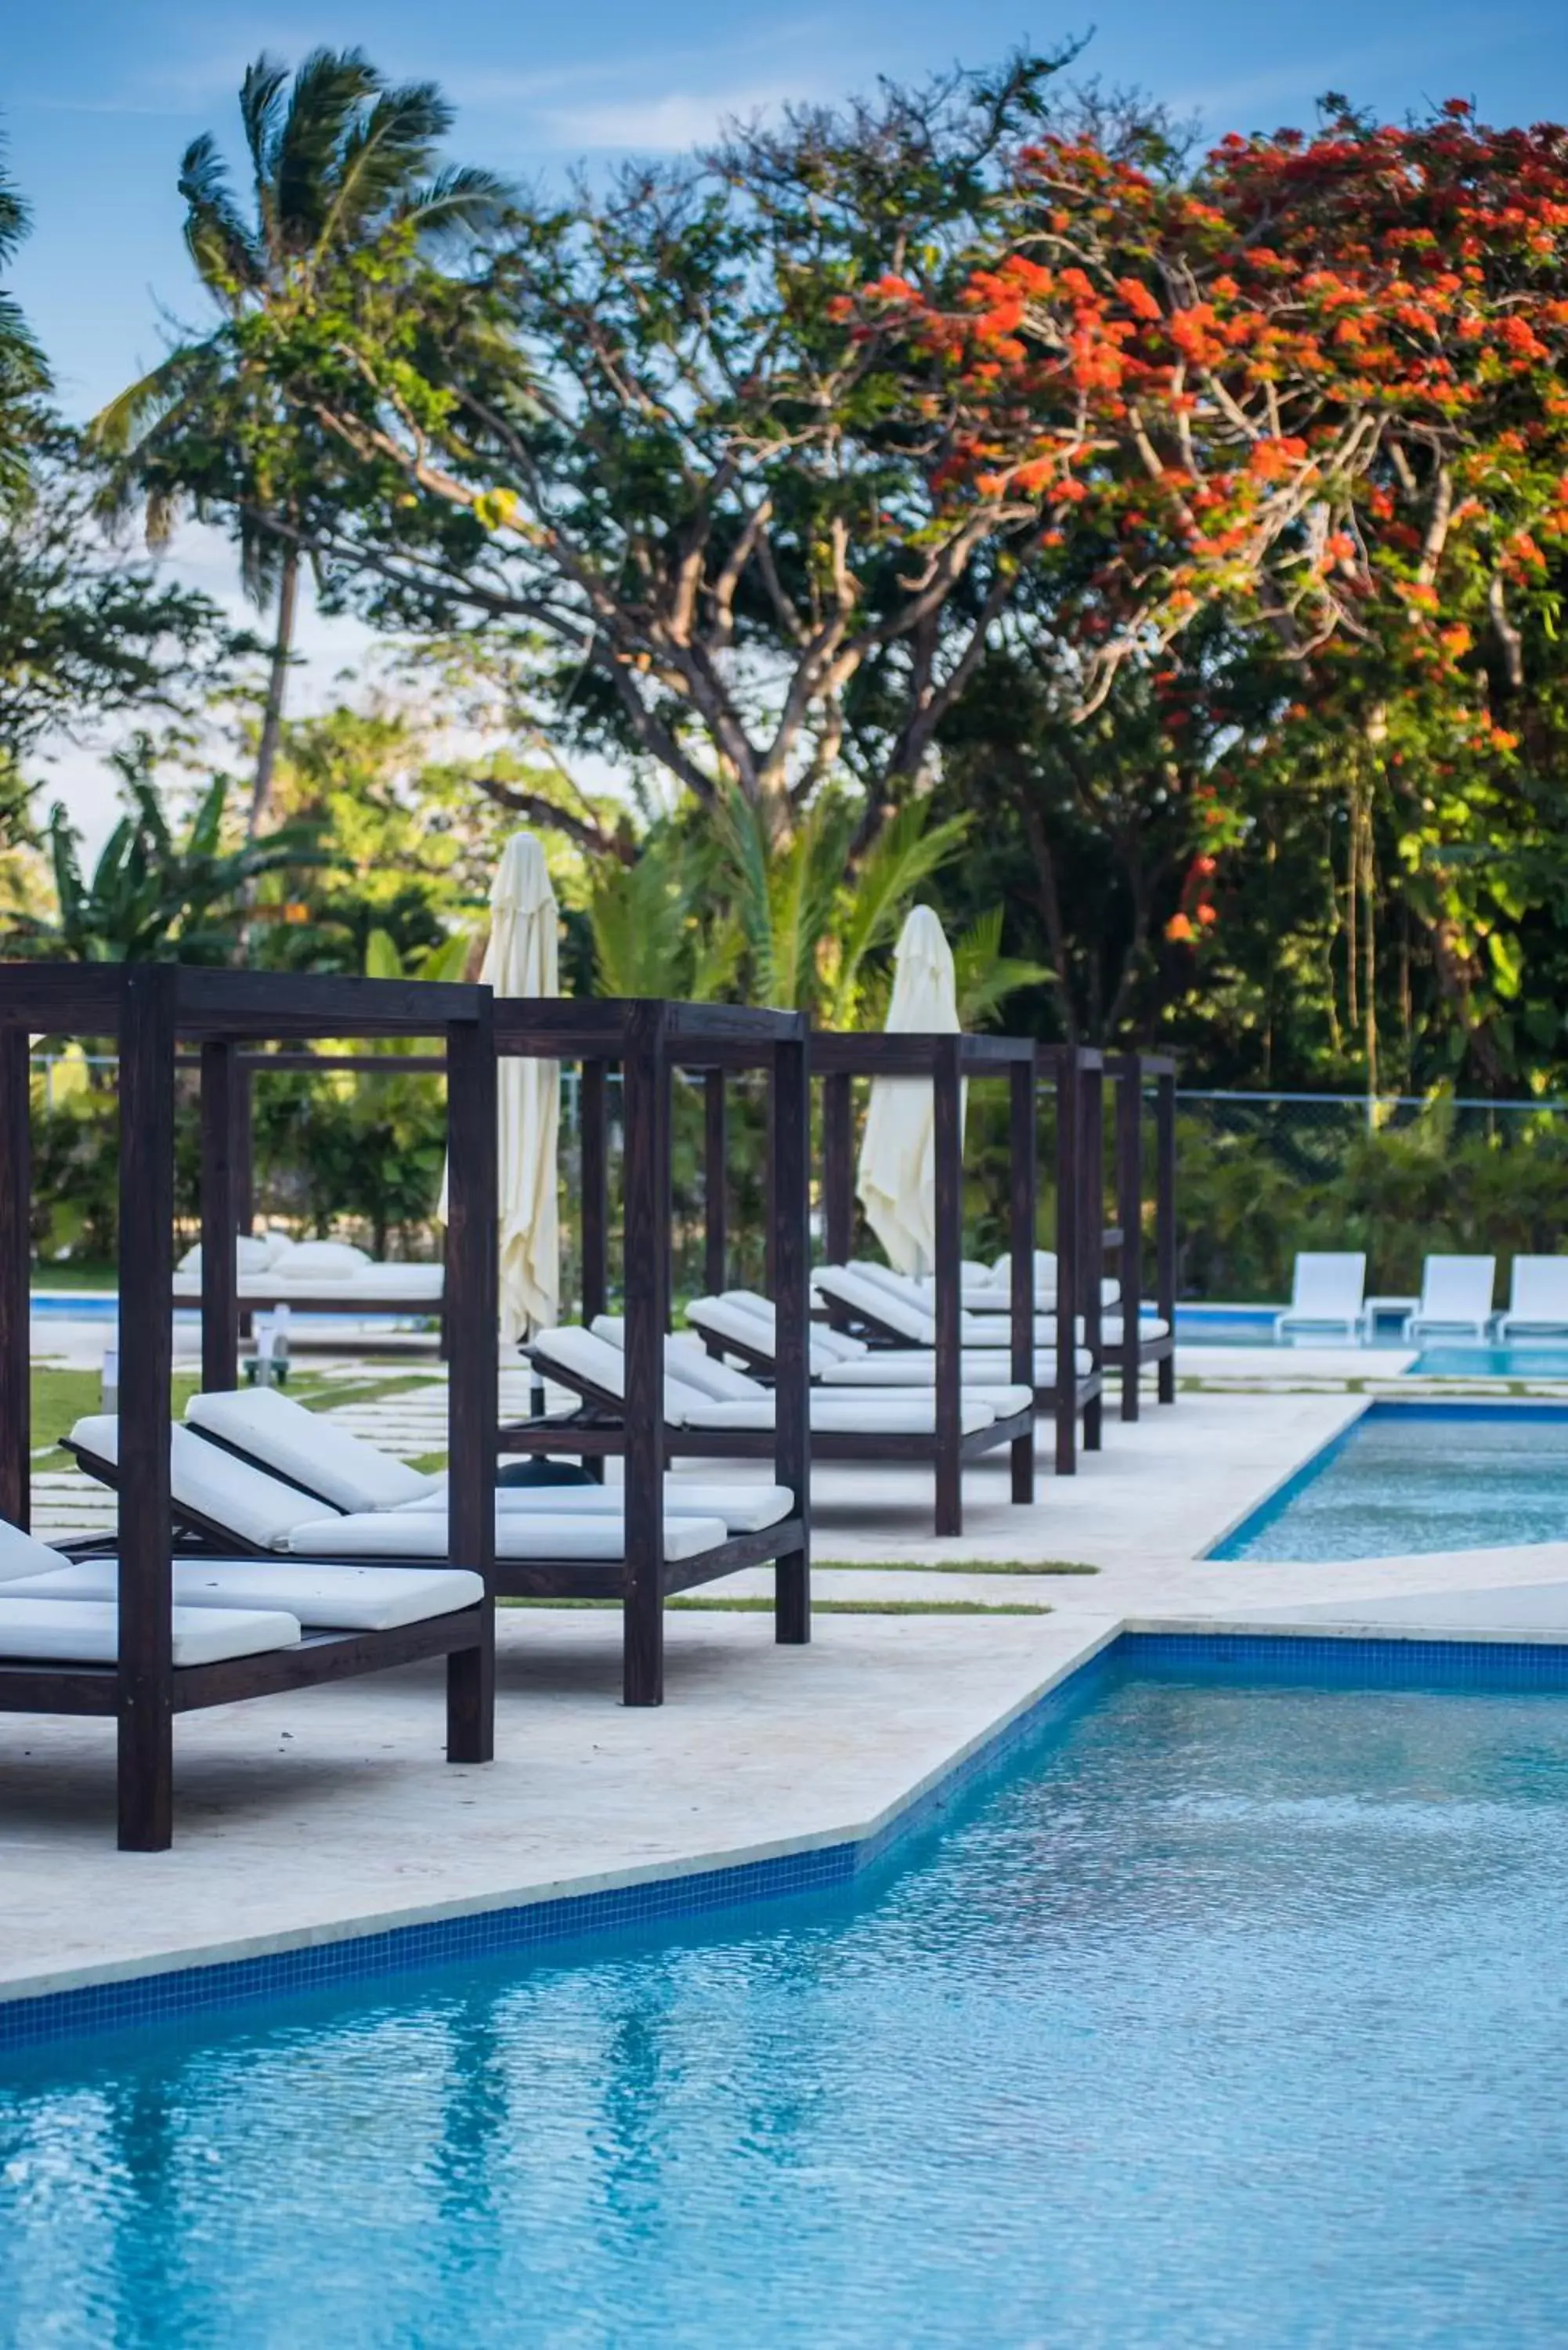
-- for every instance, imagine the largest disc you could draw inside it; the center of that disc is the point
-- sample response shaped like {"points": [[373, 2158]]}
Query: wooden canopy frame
{"points": [[1136, 1075], [148, 1008], [649, 1040], [264, 1297], [836, 1059]]}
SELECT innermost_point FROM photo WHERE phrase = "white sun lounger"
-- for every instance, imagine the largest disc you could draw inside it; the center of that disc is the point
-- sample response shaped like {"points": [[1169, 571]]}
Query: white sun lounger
{"points": [[309, 1273], [1538, 1299], [322, 1598], [1328, 1293], [230, 1500], [988, 1376], [594, 1368], [46, 1620], [279, 1435], [1455, 1297]]}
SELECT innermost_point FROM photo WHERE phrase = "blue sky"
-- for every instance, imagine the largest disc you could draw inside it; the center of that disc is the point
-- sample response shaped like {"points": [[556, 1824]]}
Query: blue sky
{"points": [[97, 98]]}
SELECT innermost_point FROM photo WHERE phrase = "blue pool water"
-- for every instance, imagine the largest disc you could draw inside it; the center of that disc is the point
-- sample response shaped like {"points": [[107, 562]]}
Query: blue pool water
{"points": [[1542, 1361], [1234, 2017], [1416, 1477]]}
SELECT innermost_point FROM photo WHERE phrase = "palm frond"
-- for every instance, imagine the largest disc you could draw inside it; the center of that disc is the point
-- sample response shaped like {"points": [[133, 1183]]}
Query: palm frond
{"points": [[985, 977], [261, 112], [458, 204], [227, 258], [329, 89], [389, 145], [907, 852]]}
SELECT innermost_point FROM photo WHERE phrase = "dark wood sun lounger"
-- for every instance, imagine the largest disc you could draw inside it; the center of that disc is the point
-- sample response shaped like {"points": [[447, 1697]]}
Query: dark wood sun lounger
{"points": [[148, 1008]]}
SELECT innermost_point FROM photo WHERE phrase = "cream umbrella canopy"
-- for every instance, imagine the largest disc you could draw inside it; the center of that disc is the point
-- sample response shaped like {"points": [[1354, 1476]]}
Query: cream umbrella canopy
{"points": [[523, 959], [897, 1177]]}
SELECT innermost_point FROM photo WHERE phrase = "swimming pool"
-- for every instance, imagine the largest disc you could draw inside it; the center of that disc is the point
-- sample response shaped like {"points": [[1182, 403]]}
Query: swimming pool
{"points": [[1232, 2016], [1419, 1477]]}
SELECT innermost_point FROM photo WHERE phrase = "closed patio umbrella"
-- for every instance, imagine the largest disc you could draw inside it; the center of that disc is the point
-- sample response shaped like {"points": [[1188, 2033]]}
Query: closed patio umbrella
{"points": [[523, 959], [897, 1180]]}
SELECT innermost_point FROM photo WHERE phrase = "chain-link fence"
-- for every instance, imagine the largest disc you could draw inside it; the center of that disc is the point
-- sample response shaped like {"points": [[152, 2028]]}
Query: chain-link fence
{"points": [[1260, 1176]]}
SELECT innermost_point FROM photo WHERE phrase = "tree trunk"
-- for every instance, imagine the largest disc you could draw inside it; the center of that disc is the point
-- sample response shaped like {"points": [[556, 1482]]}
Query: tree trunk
{"points": [[272, 716]]}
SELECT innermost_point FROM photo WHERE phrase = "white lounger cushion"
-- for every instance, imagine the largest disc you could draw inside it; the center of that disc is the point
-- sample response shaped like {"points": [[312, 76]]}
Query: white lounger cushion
{"points": [[744, 1509], [245, 1502], [281, 1436], [849, 1286], [392, 1287], [836, 1344], [851, 1415], [985, 1376], [86, 1632], [577, 1353], [323, 1599], [738, 1325], [519, 1534], [22, 1554]]}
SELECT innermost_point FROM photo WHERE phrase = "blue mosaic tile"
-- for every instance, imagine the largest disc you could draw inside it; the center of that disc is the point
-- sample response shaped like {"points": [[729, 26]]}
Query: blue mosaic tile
{"points": [[535, 1927]]}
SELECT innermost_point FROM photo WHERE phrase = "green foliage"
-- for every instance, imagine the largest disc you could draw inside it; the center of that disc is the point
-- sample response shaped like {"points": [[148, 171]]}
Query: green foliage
{"points": [[1247, 1203], [152, 898]]}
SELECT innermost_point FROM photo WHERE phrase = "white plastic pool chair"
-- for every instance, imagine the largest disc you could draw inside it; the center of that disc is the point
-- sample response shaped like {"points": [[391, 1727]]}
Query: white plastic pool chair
{"points": [[1328, 1293], [1455, 1297], [1538, 1299]]}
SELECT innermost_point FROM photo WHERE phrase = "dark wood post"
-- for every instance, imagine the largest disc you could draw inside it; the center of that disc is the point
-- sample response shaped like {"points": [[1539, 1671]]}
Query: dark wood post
{"points": [[1069, 1286], [243, 1146], [146, 1693], [837, 1167], [1165, 1223], [1021, 1181], [1128, 1077], [790, 1087], [223, 1081], [15, 1261], [473, 1307], [645, 1277], [591, 1123], [715, 1185], [1091, 1139], [948, 1111]]}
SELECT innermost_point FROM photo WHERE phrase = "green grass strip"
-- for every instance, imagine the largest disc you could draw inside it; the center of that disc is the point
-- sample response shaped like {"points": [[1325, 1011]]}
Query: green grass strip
{"points": [[819, 1607], [953, 1567]]}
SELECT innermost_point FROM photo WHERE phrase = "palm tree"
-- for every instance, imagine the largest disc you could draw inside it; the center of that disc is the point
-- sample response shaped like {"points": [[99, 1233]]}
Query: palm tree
{"points": [[24, 374], [152, 898], [339, 165]]}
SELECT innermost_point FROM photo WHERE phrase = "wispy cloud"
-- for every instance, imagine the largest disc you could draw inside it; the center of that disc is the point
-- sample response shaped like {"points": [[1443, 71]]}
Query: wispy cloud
{"points": [[664, 124]]}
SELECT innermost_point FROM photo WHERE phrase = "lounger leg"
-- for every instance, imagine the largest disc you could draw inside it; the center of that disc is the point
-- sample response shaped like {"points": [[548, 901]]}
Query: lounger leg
{"points": [[949, 1491], [1066, 1433], [642, 1648], [792, 1600], [146, 1777], [1092, 1418], [1023, 1450], [1165, 1371], [470, 1700]]}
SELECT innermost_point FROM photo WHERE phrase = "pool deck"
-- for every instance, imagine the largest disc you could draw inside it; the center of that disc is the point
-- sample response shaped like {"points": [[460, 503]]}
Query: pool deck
{"points": [[330, 1815]]}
